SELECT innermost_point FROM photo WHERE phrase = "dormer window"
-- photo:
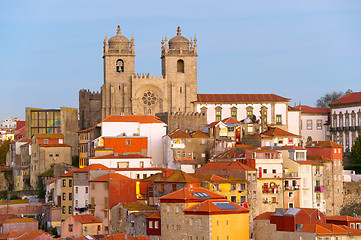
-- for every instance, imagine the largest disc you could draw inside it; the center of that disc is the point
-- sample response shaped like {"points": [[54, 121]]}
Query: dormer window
{"points": [[120, 66], [180, 66], [46, 141]]}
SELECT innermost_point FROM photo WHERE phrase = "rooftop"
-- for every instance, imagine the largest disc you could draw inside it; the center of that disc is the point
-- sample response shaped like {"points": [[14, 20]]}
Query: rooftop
{"points": [[324, 144], [120, 156], [227, 166], [175, 176], [195, 194], [240, 98], [133, 118], [277, 132], [110, 176], [86, 218], [215, 206], [179, 134], [348, 98], [49, 135]]}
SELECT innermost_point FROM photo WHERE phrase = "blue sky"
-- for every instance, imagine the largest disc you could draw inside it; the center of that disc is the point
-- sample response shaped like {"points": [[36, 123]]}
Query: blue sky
{"points": [[297, 49]]}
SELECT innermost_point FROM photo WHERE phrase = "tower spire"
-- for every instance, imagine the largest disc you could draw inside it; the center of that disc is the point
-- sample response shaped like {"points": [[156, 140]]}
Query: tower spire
{"points": [[178, 30], [118, 30]]}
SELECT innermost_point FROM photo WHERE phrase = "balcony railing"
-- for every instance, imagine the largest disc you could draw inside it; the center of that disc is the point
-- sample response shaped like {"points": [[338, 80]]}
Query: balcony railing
{"points": [[291, 188], [318, 189]]}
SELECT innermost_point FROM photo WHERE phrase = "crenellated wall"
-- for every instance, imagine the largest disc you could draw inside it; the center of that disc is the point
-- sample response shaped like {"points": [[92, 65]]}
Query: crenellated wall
{"points": [[189, 121], [89, 108]]}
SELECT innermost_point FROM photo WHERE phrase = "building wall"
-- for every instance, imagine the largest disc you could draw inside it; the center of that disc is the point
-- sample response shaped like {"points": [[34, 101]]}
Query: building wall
{"points": [[234, 226], [89, 109], [199, 226], [66, 200], [311, 129], [79, 229], [81, 191], [184, 121], [132, 162], [20, 226]]}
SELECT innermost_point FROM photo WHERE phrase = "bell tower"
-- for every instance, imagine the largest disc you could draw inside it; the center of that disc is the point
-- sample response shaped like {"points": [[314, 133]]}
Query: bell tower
{"points": [[119, 67], [179, 66]]}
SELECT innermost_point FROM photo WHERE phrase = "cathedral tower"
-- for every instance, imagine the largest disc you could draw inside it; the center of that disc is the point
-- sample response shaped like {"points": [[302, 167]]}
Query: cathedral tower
{"points": [[179, 66], [119, 67]]}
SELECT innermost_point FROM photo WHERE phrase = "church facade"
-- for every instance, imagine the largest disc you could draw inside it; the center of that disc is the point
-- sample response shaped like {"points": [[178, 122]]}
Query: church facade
{"points": [[173, 95]]}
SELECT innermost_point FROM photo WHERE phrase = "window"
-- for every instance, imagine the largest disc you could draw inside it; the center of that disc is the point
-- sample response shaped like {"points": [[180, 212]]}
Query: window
{"points": [[234, 199], [180, 66], [168, 208], [70, 182], [233, 187], [46, 141], [218, 114], [274, 200], [64, 183], [278, 119], [150, 224], [70, 196], [50, 154], [318, 196], [200, 222], [76, 189], [319, 124], [243, 186], [273, 170], [264, 115], [234, 113], [70, 227], [264, 170], [64, 196], [70, 210], [99, 228], [290, 205], [76, 203], [177, 208], [352, 225], [156, 224], [86, 190], [358, 226], [309, 124], [161, 187], [174, 187], [127, 142], [191, 222], [141, 164], [249, 110], [93, 186], [290, 194], [63, 209], [215, 187], [120, 66]]}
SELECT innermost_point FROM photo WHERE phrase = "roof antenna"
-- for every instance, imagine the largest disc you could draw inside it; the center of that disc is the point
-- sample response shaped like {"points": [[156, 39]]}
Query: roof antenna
{"points": [[178, 21]]}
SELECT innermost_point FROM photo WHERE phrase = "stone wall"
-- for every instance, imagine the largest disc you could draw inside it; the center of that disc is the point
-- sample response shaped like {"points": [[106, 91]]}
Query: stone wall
{"points": [[184, 121], [351, 193], [89, 108]]}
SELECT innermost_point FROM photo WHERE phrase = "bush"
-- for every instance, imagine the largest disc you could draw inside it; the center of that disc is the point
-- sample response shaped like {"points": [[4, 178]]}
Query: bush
{"points": [[14, 197]]}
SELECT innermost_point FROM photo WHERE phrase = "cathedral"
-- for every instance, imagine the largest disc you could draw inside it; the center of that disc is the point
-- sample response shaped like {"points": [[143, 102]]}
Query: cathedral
{"points": [[125, 92]]}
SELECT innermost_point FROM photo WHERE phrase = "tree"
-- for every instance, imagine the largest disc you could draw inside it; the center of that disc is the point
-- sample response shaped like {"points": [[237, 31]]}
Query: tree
{"points": [[356, 152], [4, 148], [329, 98]]}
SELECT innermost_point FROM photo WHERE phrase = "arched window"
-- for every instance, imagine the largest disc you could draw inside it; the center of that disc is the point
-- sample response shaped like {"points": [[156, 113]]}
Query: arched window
{"points": [[180, 66], [120, 65]]}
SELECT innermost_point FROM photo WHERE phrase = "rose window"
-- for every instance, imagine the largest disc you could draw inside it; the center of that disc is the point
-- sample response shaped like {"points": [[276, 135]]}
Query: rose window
{"points": [[149, 98]]}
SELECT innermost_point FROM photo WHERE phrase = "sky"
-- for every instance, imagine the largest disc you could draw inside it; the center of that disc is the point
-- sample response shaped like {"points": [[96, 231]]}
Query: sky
{"points": [[49, 50]]}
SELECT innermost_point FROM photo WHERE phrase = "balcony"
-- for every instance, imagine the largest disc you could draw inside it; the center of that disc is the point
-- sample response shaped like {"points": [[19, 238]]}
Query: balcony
{"points": [[319, 189], [292, 188], [333, 129]]}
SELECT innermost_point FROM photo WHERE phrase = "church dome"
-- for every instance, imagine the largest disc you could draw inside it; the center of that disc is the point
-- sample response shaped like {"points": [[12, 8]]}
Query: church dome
{"points": [[179, 42], [119, 41]]}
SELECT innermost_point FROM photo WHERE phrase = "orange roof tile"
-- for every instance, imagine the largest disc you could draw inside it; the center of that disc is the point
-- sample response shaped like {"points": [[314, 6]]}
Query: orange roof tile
{"points": [[210, 178], [264, 216], [199, 134], [24, 235], [287, 147], [110, 176], [211, 207], [230, 120], [342, 218], [179, 134], [24, 139], [318, 158], [19, 220], [188, 161], [175, 176], [49, 135], [227, 165], [70, 173], [195, 194], [155, 215], [92, 167], [348, 98], [324, 144], [137, 206], [240, 98], [133, 118], [308, 109], [120, 156], [55, 145], [308, 162], [86, 218], [277, 132]]}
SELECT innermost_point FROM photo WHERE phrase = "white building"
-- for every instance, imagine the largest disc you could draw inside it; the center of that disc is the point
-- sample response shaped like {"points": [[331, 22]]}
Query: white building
{"points": [[9, 123], [138, 125], [269, 109], [346, 120], [122, 161]]}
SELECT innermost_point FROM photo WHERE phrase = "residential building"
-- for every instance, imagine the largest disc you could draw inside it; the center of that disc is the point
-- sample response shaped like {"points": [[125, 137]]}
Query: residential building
{"points": [[86, 144], [348, 221], [154, 226], [66, 201], [79, 225], [18, 224], [122, 161]]}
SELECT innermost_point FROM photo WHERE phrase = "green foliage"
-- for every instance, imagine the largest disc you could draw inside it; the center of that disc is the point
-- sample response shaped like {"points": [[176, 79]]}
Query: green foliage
{"points": [[4, 148], [9, 179], [329, 98], [3, 194], [41, 190], [353, 210], [14, 197], [75, 161], [356, 152]]}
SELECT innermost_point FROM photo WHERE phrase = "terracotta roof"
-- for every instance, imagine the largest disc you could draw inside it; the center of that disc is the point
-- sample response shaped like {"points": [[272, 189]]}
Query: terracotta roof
{"points": [[308, 109], [175, 176], [230, 120], [330, 229], [120, 156], [139, 169], [137, 206], [264, 216], [186, 161], [212, 124], [277, 132], [343, 218], [86, 130], [70, 173], [123, 236], [24, 235], [309, 162], [147, 214], [318, 158], [227, 165], [54, 145], [324, 144], [49, 135], [190, 195], [287, 147], [86, 218], [110, 176], [92, 167], [211, 207], [155, 215], [210, 178], [179, 134], [19, 220], [348, 98], [24, 139], [236, 152], [240, 98], [133, 118], [199, 134]]}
